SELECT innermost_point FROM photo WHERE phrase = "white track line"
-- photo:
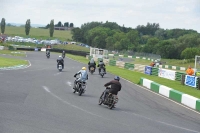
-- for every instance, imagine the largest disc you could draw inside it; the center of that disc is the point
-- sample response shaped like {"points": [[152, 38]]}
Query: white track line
{"points": [[88, 112], [74, 106]]}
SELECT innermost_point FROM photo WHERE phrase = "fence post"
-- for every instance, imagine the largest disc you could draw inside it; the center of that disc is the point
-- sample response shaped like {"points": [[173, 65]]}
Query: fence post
{"points": [[183, 79]]}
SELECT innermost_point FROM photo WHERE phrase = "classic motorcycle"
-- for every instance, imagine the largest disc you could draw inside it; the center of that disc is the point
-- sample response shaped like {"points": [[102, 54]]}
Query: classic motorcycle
{"points": [[102, 72], [60, 67], [91, 69], [80, 87], [110, 100], [48, 56]]}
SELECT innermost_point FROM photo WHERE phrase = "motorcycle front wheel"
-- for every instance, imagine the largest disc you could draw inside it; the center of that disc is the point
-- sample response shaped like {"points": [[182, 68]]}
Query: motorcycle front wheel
{"points": [[100, 99]]}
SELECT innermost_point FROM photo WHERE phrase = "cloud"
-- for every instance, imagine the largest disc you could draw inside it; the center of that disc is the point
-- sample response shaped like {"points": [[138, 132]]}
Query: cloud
{"points": [[182, 9], [131, 13]]}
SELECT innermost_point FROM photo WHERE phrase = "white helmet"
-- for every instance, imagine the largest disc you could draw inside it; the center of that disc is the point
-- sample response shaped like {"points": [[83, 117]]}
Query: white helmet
{"points": [[60, 56]]}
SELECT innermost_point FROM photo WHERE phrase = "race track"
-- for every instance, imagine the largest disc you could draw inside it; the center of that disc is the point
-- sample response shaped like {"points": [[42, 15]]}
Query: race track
{"points": [[39, 99]]}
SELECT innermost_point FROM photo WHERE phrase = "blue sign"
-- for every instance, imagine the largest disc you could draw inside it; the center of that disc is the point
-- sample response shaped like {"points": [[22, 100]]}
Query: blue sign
{"points": [[148, 70], [191, 81], [36, 49]]}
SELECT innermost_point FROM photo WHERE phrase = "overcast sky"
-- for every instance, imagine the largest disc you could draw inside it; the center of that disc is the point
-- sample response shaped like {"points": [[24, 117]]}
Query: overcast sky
{"points": [[168, 13]]}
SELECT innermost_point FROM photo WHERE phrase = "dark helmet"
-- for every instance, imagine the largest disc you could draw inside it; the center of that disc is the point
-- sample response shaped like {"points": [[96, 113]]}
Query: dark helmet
{"points": [[101, 60], [117, 78]]}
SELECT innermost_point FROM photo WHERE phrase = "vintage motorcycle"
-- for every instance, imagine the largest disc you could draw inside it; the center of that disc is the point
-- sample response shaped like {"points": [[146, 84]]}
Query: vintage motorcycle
{"points": [[110, 100], [80, 87]]}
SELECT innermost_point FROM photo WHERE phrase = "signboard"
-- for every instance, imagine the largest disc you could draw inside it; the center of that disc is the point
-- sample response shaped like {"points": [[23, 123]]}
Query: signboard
{"points": [[190, 81], [36, 49], [147, 70], [168, 74]]}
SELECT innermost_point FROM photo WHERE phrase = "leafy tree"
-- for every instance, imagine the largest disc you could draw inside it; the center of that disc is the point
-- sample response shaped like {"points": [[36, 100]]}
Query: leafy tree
{"points": [[189, 53], [59, 24], [71, 25], [76, 34], [47, 26], [133, 38], [3, 25], [110, 43], [149, 29], [27, 26], [66, 24], [51, 28]]}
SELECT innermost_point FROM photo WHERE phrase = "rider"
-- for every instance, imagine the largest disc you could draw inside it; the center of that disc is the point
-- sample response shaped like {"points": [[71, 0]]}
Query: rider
{"points": [[115, 87], [60, 61], [92, 63], [47, 52], [83, 76], [101, 65], [63, 53]]}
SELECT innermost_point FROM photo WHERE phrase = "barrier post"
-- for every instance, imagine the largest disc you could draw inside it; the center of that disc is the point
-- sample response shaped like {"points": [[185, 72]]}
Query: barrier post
{"points": [[183, 79]]}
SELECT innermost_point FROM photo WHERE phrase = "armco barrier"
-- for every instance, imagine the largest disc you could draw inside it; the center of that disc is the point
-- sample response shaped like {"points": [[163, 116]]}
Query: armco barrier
{"points": [[129, 66], [175, 95], [112, 62], [179, 76], [80, 53], [154, 71]]}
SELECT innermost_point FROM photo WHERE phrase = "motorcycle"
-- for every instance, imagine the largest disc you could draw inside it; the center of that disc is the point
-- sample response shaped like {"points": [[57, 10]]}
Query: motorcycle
{"points": [[110, 100], [63, 56], [60, 67], [91, 69], [102, 72], [48, 56], [80, 87]]}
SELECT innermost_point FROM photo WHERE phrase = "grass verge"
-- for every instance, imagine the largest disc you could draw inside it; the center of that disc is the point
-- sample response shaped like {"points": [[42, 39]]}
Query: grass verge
{"points": [[13, 53], [135, 77], [8, 62]]}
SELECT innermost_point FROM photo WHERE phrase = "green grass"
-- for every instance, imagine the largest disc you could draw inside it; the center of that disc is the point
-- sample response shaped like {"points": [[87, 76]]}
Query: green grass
{"points": [[72, 47], [7, 62], [38, 33], [13, 53], [135, 77]]}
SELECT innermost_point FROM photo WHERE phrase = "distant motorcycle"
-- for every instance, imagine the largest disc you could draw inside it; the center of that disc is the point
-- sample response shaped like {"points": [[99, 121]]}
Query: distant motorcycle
{"points": [[80, 87], [60, 67], [63, 55], [110, 100], [102, 72], [48, 56]]}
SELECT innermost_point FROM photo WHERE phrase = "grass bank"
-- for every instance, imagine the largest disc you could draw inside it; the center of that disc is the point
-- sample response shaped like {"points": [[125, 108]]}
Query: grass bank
{"points": [[13, 53], [38, 33], [8, 62], [135, 77]]}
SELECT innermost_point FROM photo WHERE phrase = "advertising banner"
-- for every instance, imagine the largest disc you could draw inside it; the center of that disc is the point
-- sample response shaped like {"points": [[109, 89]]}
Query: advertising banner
{"points": [[168, 74], [190, 81], [147, 70]]}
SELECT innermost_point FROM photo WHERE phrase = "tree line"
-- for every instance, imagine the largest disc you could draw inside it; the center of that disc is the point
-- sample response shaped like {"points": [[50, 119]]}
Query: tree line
{"points": [[28, 26], [149, 38]]}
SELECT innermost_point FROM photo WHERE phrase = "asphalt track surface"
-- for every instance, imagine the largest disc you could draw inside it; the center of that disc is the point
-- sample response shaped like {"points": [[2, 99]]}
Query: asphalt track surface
{"points": [[39, 99]]}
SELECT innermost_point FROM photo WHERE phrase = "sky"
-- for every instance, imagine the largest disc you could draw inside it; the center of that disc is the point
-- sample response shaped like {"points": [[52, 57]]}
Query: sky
{"points": [[184, 14]]}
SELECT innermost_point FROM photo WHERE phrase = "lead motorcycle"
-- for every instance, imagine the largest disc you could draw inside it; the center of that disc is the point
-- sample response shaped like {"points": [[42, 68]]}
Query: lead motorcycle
{"points": [[110, 100], [80, 87]]}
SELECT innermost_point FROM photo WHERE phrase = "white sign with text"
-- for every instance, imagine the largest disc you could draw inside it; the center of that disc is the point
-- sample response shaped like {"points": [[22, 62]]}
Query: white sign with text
{"points": [[168, 74]]}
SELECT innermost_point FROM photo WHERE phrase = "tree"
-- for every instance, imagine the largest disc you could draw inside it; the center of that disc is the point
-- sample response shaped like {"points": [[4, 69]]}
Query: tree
{"points": [[27, 26], [51, 28], [71, 25], [189, 53], [66, 24], [59, 24], [3, 25]]}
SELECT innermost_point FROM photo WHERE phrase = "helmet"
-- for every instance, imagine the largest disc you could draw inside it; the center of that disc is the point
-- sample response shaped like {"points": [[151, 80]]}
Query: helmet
{"points": [[117, 78], [60, 56], [100, 60], [83, 68]]}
